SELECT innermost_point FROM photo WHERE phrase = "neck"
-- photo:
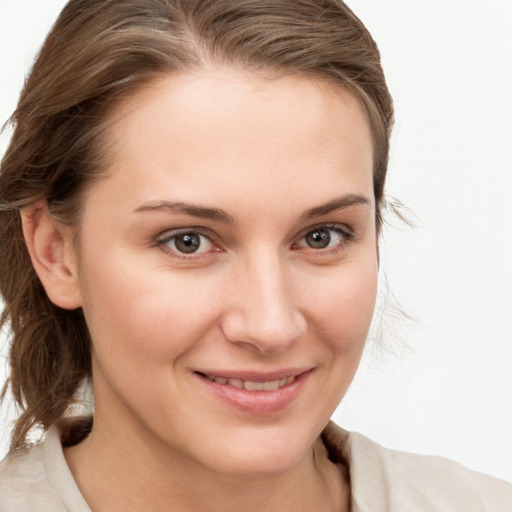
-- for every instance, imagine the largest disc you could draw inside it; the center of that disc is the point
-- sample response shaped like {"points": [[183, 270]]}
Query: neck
{"points": [[111, 474]]}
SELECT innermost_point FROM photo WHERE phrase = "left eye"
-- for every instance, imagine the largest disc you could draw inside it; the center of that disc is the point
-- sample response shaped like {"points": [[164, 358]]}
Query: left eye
{"points": [[188, 243], [323, 238]]}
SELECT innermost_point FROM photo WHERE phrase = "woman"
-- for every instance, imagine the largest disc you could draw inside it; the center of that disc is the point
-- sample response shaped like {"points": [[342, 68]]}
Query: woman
{"points": [[146, 247]]}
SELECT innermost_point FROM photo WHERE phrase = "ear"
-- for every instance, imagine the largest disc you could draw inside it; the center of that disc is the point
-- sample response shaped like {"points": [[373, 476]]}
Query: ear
{"points": [[52, 253]]}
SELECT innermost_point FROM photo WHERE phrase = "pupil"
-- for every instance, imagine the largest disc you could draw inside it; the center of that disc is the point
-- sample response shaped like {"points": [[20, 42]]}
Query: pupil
{"points": [[188, 243], [319, 239]]}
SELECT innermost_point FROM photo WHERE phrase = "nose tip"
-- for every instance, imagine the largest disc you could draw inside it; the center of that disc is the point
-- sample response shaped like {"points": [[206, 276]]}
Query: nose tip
{"points": [[271, 335], [264, 313], [266, 333]]}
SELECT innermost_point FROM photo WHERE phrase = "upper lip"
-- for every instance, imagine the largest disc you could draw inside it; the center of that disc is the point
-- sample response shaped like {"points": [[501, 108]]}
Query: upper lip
{"points": [[255, 376]]}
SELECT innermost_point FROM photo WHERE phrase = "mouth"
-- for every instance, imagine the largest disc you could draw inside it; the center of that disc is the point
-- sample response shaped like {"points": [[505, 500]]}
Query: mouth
{"points": [[248, 385], [257, 393]]}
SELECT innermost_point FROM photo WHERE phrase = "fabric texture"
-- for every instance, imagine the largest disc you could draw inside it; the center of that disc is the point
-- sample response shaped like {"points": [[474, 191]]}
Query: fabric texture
{"points": [[384, 480], [381, 480]]}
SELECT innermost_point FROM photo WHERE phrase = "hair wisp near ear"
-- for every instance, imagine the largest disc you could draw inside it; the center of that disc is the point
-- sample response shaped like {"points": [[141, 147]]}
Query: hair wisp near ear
{"points": [[51, 251]]}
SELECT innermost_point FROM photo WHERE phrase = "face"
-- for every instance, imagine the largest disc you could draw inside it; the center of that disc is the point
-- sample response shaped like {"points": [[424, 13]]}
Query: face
{"points": [[228, 267]]}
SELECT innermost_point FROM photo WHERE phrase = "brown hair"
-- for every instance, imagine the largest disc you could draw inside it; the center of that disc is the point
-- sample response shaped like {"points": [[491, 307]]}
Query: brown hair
{"points": [[99, 52]]}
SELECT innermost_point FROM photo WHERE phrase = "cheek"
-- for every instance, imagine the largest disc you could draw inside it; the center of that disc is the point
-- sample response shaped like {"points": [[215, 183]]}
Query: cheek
{"points": [[340, 315], [155, 315], [343, 307]]}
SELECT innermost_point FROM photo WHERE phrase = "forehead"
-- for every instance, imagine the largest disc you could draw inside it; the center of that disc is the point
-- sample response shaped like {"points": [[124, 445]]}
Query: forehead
{"points": [[227, 128]]}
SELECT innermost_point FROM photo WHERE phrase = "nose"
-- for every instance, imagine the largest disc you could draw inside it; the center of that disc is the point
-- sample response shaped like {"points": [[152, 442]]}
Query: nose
{"points": [[263, 311]]}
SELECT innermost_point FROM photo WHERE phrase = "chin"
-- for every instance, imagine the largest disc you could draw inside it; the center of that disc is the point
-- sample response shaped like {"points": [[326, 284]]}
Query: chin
{"points": [[261, 454]]}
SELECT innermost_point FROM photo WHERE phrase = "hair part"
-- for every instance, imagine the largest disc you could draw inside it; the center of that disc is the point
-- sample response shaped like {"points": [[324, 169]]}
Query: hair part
{"points": [[100, 53]]}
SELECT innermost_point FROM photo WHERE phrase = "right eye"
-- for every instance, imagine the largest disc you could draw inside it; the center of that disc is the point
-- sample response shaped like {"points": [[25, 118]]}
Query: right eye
{"points": [[187, 242], [326, 237]]}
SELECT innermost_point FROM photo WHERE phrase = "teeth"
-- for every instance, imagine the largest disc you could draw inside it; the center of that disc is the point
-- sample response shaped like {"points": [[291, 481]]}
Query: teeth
{"points": [[253, 386], [271, 386], [236, 383]]}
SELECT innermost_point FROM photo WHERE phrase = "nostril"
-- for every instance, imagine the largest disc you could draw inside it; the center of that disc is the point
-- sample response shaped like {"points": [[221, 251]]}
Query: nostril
{"points": [[262, 313]]}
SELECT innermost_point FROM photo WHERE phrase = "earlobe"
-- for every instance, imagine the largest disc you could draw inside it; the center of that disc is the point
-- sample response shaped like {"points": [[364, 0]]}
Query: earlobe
{"points": [[51, 251]]}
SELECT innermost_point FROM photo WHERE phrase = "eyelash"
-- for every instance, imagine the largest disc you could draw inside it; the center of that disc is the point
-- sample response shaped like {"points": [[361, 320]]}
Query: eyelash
{"points": [[346, 238], [164, 239]]}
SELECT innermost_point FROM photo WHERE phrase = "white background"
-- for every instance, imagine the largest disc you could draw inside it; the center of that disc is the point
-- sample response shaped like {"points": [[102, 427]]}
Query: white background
{"points": [[447, 387]]}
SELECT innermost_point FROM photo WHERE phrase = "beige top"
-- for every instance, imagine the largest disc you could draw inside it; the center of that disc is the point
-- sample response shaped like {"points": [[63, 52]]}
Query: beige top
{"points": [[382, 480]]}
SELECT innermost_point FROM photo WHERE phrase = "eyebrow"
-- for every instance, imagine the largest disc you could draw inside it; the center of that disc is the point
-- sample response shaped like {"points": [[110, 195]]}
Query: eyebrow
{"points": [[336, 204], [201, 212], [219, 215]]}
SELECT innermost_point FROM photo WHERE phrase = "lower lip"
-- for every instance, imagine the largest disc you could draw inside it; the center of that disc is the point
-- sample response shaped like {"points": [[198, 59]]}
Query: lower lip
{"points": [[257, 402]]}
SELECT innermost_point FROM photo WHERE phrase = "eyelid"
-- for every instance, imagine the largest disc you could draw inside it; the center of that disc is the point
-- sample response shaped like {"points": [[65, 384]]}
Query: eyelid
{"points": [[166, 236], [345, 231], [336, 226]]}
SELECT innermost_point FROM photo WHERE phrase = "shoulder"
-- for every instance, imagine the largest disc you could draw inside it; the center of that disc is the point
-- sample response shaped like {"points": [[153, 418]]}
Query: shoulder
{"points": [[384, 479], [25, 482]]}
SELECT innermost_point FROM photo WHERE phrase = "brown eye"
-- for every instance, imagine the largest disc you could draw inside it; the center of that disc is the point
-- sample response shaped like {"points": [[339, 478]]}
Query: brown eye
{"points": [[325, 237], [188, 243], [318, 239]]}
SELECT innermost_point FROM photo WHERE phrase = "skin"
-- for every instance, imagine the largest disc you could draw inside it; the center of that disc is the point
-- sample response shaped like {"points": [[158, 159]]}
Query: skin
{"points": [[256, 296]]}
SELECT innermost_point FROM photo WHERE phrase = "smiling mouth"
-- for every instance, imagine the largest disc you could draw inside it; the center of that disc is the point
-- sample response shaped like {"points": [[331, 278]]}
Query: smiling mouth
{"points": [[257, 393], [248, 385]]}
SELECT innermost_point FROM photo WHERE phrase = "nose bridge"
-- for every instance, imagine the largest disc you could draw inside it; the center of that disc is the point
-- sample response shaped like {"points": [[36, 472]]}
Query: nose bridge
{"points": [[265, 312]]}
